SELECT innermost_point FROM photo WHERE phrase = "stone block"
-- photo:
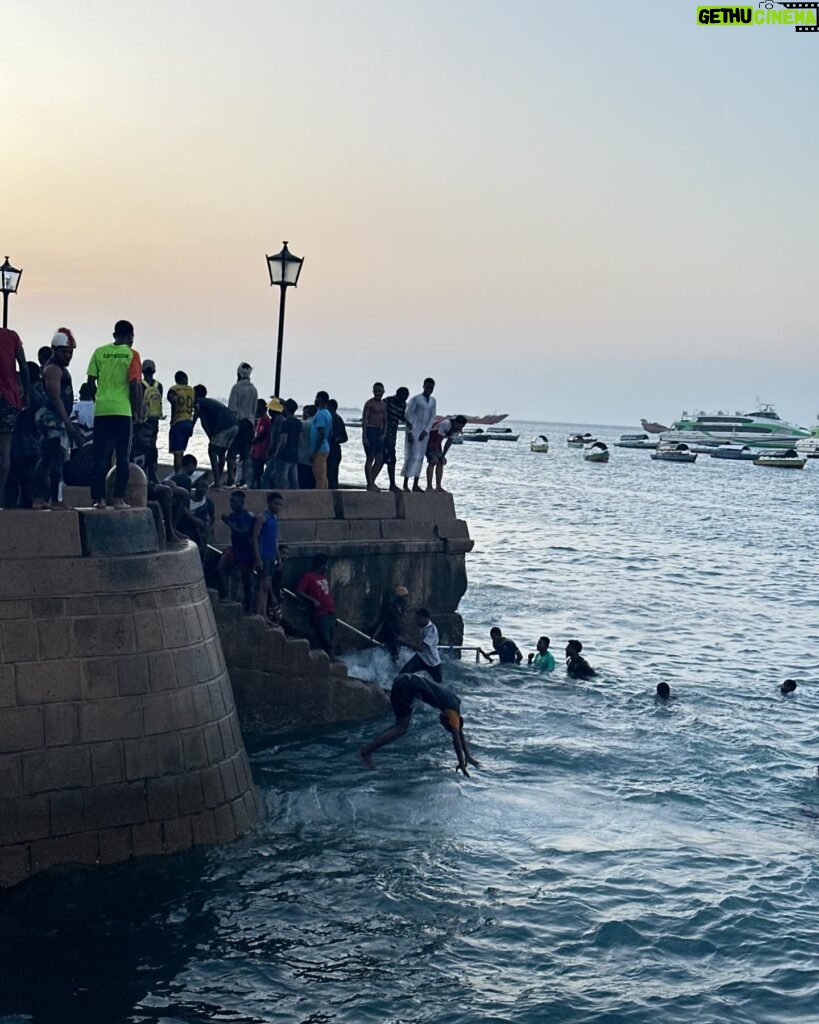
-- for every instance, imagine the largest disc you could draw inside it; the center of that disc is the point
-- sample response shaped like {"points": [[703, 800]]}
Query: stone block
{"points": [[193, 626], [297, 532], [85, 605], [66, 812], [158, 710], [60, 722], [148, 624], [430, 506], [47, 608], [398, 529], [225, 825], [116, 604], [365, 504], [186, 665], [115, 845], [107, 763], [169, 754], [103, 636], [15, 865], [99, 678], [161, 671], [308, 505], [365, 530], [201, 704], [43, 682], [20, 729], [457, 545], [204, 827], [453, 528], [212, 788], [143, 602], [241, 816], [217, 701], [147, 839], [189, 793], [8, 694], [339, 670], [132, 675], [163, 803], [23, 819], [194, 750], [334, 532], [60, 768], [20, 640], [184, 712], [173, 627], [230, 783], [116, 719], [55, 638], [213, 744], [140, 759], [27, 536], [10, 784], [177, 835], [80, 848], [128, 532], [15, 610], [108, 806]]}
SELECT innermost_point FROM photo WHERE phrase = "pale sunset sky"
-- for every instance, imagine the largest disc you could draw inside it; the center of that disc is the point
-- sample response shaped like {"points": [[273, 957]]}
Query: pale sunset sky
{"points": [[584, 212]]}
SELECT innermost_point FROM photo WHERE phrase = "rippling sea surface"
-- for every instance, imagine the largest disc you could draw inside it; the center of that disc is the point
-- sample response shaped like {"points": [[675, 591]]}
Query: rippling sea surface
{"points": [[612, 860]]}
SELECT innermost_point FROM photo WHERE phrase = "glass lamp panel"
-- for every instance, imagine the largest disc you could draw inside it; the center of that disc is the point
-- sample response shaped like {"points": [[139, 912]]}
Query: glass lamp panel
{"points": [[10, 279], [291, 271], [275, 267]]}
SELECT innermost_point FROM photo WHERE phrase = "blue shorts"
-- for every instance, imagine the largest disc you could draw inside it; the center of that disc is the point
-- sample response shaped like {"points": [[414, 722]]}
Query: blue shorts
{"points": [[374, 444], [180, 434]]}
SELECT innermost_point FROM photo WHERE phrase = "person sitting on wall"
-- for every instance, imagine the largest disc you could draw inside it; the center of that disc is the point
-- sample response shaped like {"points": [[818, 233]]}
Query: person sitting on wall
{"points": [[314, 587]]}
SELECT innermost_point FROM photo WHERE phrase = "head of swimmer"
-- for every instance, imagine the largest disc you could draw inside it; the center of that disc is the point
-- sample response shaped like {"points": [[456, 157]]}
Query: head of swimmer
{"points": [[663, 691]]}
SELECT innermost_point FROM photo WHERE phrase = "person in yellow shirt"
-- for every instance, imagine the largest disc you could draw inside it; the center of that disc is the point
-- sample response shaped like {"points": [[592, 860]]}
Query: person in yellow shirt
{"points": [[182, 402]]}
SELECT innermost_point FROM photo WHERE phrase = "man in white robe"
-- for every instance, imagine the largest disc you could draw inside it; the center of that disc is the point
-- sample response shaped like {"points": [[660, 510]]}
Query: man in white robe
{"points": [[420, 415]]}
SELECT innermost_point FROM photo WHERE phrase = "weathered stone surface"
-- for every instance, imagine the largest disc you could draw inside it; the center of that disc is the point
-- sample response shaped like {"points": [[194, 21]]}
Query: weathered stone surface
{"points": [[431, 506], [28, 536], [365, 504], [127, 532]]}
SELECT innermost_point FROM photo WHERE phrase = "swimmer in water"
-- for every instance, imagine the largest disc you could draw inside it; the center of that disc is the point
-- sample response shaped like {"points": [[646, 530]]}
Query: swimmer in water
{"points": [[507, 651], [576, 665], [788, 688], [663, 691], [544, 659], [408, 687]]}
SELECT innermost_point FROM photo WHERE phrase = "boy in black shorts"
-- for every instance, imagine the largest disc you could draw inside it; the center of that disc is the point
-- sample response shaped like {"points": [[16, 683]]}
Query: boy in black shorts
{"points": [[407, 688]]}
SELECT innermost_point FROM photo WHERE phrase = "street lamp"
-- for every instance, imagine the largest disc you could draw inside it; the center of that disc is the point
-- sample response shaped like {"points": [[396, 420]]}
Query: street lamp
{"points": [[9, 279], [284, 270]]}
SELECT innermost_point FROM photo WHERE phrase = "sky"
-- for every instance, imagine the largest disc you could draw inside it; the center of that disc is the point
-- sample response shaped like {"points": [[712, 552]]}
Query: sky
{"points": [[583, 212]]}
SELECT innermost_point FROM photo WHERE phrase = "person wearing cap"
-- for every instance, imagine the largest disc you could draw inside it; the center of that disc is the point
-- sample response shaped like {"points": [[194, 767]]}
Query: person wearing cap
{"points": [[260, 448], [115, 378], [391, 631], [13, 397], [242, 403], [54, 423], [283, 465]]}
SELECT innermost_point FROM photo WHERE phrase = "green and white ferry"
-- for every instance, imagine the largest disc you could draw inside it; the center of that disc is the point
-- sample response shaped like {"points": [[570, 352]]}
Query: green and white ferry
{"points": [[760, 429]]}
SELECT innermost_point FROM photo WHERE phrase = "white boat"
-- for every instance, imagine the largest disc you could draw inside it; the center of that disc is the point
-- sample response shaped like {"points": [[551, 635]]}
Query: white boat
{"points": [[596, 452], [787, 459], [580, 440], [809, 447], [760, 429], [540, 444], [636, 441], [674, 453]]}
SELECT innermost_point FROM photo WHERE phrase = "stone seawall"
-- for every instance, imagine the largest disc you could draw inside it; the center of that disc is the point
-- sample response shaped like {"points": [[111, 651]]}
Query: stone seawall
{"points": [[119, 735]]}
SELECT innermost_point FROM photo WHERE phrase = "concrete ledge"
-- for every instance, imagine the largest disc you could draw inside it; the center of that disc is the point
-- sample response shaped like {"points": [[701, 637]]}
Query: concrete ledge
{"points": [[431, 505], [128, 532], [32, 535], [365, 505], [457, 545], [294, 532], [406, 529], [336, 531], [453, 528]]}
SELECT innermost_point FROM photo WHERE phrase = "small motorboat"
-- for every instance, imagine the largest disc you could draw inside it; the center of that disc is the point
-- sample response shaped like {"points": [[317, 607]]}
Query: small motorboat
{"points": [[596, 452], [580, 440], [809, 447], [789, 458], [540, 444], [474, 435], [734, 452], [636, 441], [674, 453]]}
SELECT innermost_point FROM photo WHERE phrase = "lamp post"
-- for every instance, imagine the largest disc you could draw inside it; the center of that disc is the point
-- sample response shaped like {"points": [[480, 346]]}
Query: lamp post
{"points": [[9, 279], [284, 270]]}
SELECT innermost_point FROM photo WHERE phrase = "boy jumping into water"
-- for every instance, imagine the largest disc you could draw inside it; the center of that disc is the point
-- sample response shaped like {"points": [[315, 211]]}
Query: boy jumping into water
{"points": [[407, 688]]}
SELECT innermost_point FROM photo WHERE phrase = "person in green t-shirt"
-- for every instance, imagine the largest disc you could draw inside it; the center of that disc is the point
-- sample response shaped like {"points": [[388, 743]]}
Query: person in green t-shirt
{"points": [[544, 659], [115, 378]]}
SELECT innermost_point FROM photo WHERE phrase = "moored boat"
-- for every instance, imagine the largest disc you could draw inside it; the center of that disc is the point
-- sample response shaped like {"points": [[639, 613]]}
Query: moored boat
{"points": [[675, 453], [596, 452], [580, 440], [788, 458], [540, 444], [734, 453], [761, 429], [642, 441], [809, 447]]}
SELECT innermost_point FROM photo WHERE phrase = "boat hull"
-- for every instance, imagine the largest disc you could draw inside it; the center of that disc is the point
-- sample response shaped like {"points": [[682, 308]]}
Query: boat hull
{"points": [[781, 463], [674, 456]]}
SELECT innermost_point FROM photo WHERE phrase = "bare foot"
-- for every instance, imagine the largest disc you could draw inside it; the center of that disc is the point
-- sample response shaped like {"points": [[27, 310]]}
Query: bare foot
{"points": [[100, 506], [406, 487], [373, 487], [367, 760], [417, 489], [440, 490], [120, 503]]}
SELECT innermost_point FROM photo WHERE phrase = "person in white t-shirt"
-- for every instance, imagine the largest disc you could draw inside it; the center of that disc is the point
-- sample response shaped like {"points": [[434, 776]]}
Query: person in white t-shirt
{"points": [[427, 659]]}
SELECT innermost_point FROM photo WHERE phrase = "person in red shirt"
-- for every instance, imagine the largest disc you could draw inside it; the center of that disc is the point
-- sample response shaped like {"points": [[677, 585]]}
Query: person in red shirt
{"points": [[314, 587], [11, 399]]}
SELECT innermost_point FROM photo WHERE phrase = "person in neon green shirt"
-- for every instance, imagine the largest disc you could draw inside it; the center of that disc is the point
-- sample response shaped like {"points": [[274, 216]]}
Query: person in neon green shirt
{"points": [[115, 378], [543, 661]]}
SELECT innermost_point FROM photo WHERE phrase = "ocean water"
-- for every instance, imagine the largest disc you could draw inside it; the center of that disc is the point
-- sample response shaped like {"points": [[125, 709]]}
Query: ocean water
{"points": [[612, 861]]}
